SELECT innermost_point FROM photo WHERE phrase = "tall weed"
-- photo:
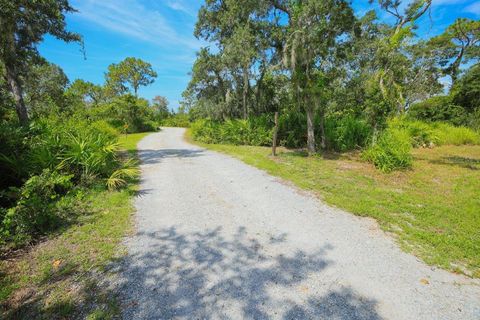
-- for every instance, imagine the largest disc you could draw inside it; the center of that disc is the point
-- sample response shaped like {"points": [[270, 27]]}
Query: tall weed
{"points": [[391, 152]]}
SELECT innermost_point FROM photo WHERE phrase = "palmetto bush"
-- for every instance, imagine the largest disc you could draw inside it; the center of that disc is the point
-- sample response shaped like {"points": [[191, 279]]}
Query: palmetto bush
{"points": [[254, 131], [76, 148], [57, 161]]}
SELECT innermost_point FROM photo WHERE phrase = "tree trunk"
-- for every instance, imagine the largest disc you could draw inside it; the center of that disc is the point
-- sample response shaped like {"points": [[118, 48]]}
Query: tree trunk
{"points": [[16, 90], [323, 140], [455, 67], [275, 132], [245, 92], [310, 130]]}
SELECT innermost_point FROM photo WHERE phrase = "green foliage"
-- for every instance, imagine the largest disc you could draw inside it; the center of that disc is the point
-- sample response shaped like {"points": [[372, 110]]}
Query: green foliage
{"points": [[425, 134], [180, 120], [466, 92], [391, 151], [342, 132], [131, 72], [438, 108], [450, 135], [346, 133], [103, 127], [292, 128], [39, 208], [254, 131], [126, 113]]}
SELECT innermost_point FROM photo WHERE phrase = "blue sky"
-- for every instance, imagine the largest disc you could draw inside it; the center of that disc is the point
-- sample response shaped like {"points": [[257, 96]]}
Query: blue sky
{"points": [[161, 32]]}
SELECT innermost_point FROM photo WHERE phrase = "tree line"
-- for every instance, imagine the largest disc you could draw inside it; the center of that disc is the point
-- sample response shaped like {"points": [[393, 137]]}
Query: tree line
{"points": [[320, 59]]}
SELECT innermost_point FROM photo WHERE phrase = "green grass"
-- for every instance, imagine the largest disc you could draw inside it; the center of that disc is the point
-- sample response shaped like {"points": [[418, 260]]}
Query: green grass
{"points": [[129, 141], [57, 278], [433, 209]]}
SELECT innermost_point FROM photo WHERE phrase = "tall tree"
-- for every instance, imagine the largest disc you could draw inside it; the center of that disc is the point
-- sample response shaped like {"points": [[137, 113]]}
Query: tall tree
{"points": [[131, 72], [458, 45], [24, 23], [390, 63], [314, 35]]}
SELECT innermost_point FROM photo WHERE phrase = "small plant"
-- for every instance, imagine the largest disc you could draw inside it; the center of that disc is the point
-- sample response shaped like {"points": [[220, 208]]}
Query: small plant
{"points": [[391, 152], [36, 210]]}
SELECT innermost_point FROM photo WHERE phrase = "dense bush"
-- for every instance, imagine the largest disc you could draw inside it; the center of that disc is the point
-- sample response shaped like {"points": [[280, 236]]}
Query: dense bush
{"points": [[292, 129], [125, 113], [425, 134], [52, 157], [178, 120], [448, 134], [391, 151], [342, 132], [38, 208], [466, 91], [346, 133], [254, 131], [438, 108]]}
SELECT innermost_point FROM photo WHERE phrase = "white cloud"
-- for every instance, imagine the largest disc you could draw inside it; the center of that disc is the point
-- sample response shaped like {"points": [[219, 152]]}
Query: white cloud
{"points": [[178, 5], [473, 8], [132, 18]]}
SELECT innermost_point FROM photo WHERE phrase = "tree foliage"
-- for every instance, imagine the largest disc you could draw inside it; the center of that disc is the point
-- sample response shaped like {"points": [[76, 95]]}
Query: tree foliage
{"points": [[130, 73], [24, 24]]}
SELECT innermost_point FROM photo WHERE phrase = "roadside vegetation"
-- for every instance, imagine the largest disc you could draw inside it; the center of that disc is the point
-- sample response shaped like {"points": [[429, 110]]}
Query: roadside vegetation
{"points": [[63, 274], [68, 169], [365, 119]]}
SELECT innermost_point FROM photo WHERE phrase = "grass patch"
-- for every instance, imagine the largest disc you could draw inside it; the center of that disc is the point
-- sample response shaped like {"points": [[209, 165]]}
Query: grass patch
{"points": [[57, 278], [129, 141], [433, 209]]}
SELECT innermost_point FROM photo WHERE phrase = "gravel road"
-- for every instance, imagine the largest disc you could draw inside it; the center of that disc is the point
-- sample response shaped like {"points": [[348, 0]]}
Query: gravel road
{"points": [[218, 239]]}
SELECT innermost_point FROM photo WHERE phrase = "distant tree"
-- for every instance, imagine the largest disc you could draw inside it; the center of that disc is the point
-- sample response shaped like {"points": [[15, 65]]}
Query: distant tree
{"points": [[131, 72], [87, 92], [466, 91], [23, 24], [161, 107], [458, 45], [44, 87]]}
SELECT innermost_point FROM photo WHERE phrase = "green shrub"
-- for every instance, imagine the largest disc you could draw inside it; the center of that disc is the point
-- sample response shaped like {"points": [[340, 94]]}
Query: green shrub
{"points": [[342, 132], [422, 134], [448, 134], [254, 131], [178, 120], [425, 134], [292, 129], [105, 128], [346, 133], [439, 108], [391, 152], [73, 148], [37, 210]]}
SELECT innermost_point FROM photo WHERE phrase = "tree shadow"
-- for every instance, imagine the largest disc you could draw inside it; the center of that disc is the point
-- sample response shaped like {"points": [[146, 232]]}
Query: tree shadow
{"points": [[463, 162], [204, 275], [156, 156]]}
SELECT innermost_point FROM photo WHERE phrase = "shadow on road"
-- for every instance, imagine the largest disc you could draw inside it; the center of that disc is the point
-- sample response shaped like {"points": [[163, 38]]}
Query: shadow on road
{"points": [[203, 275], [156, 156]]}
